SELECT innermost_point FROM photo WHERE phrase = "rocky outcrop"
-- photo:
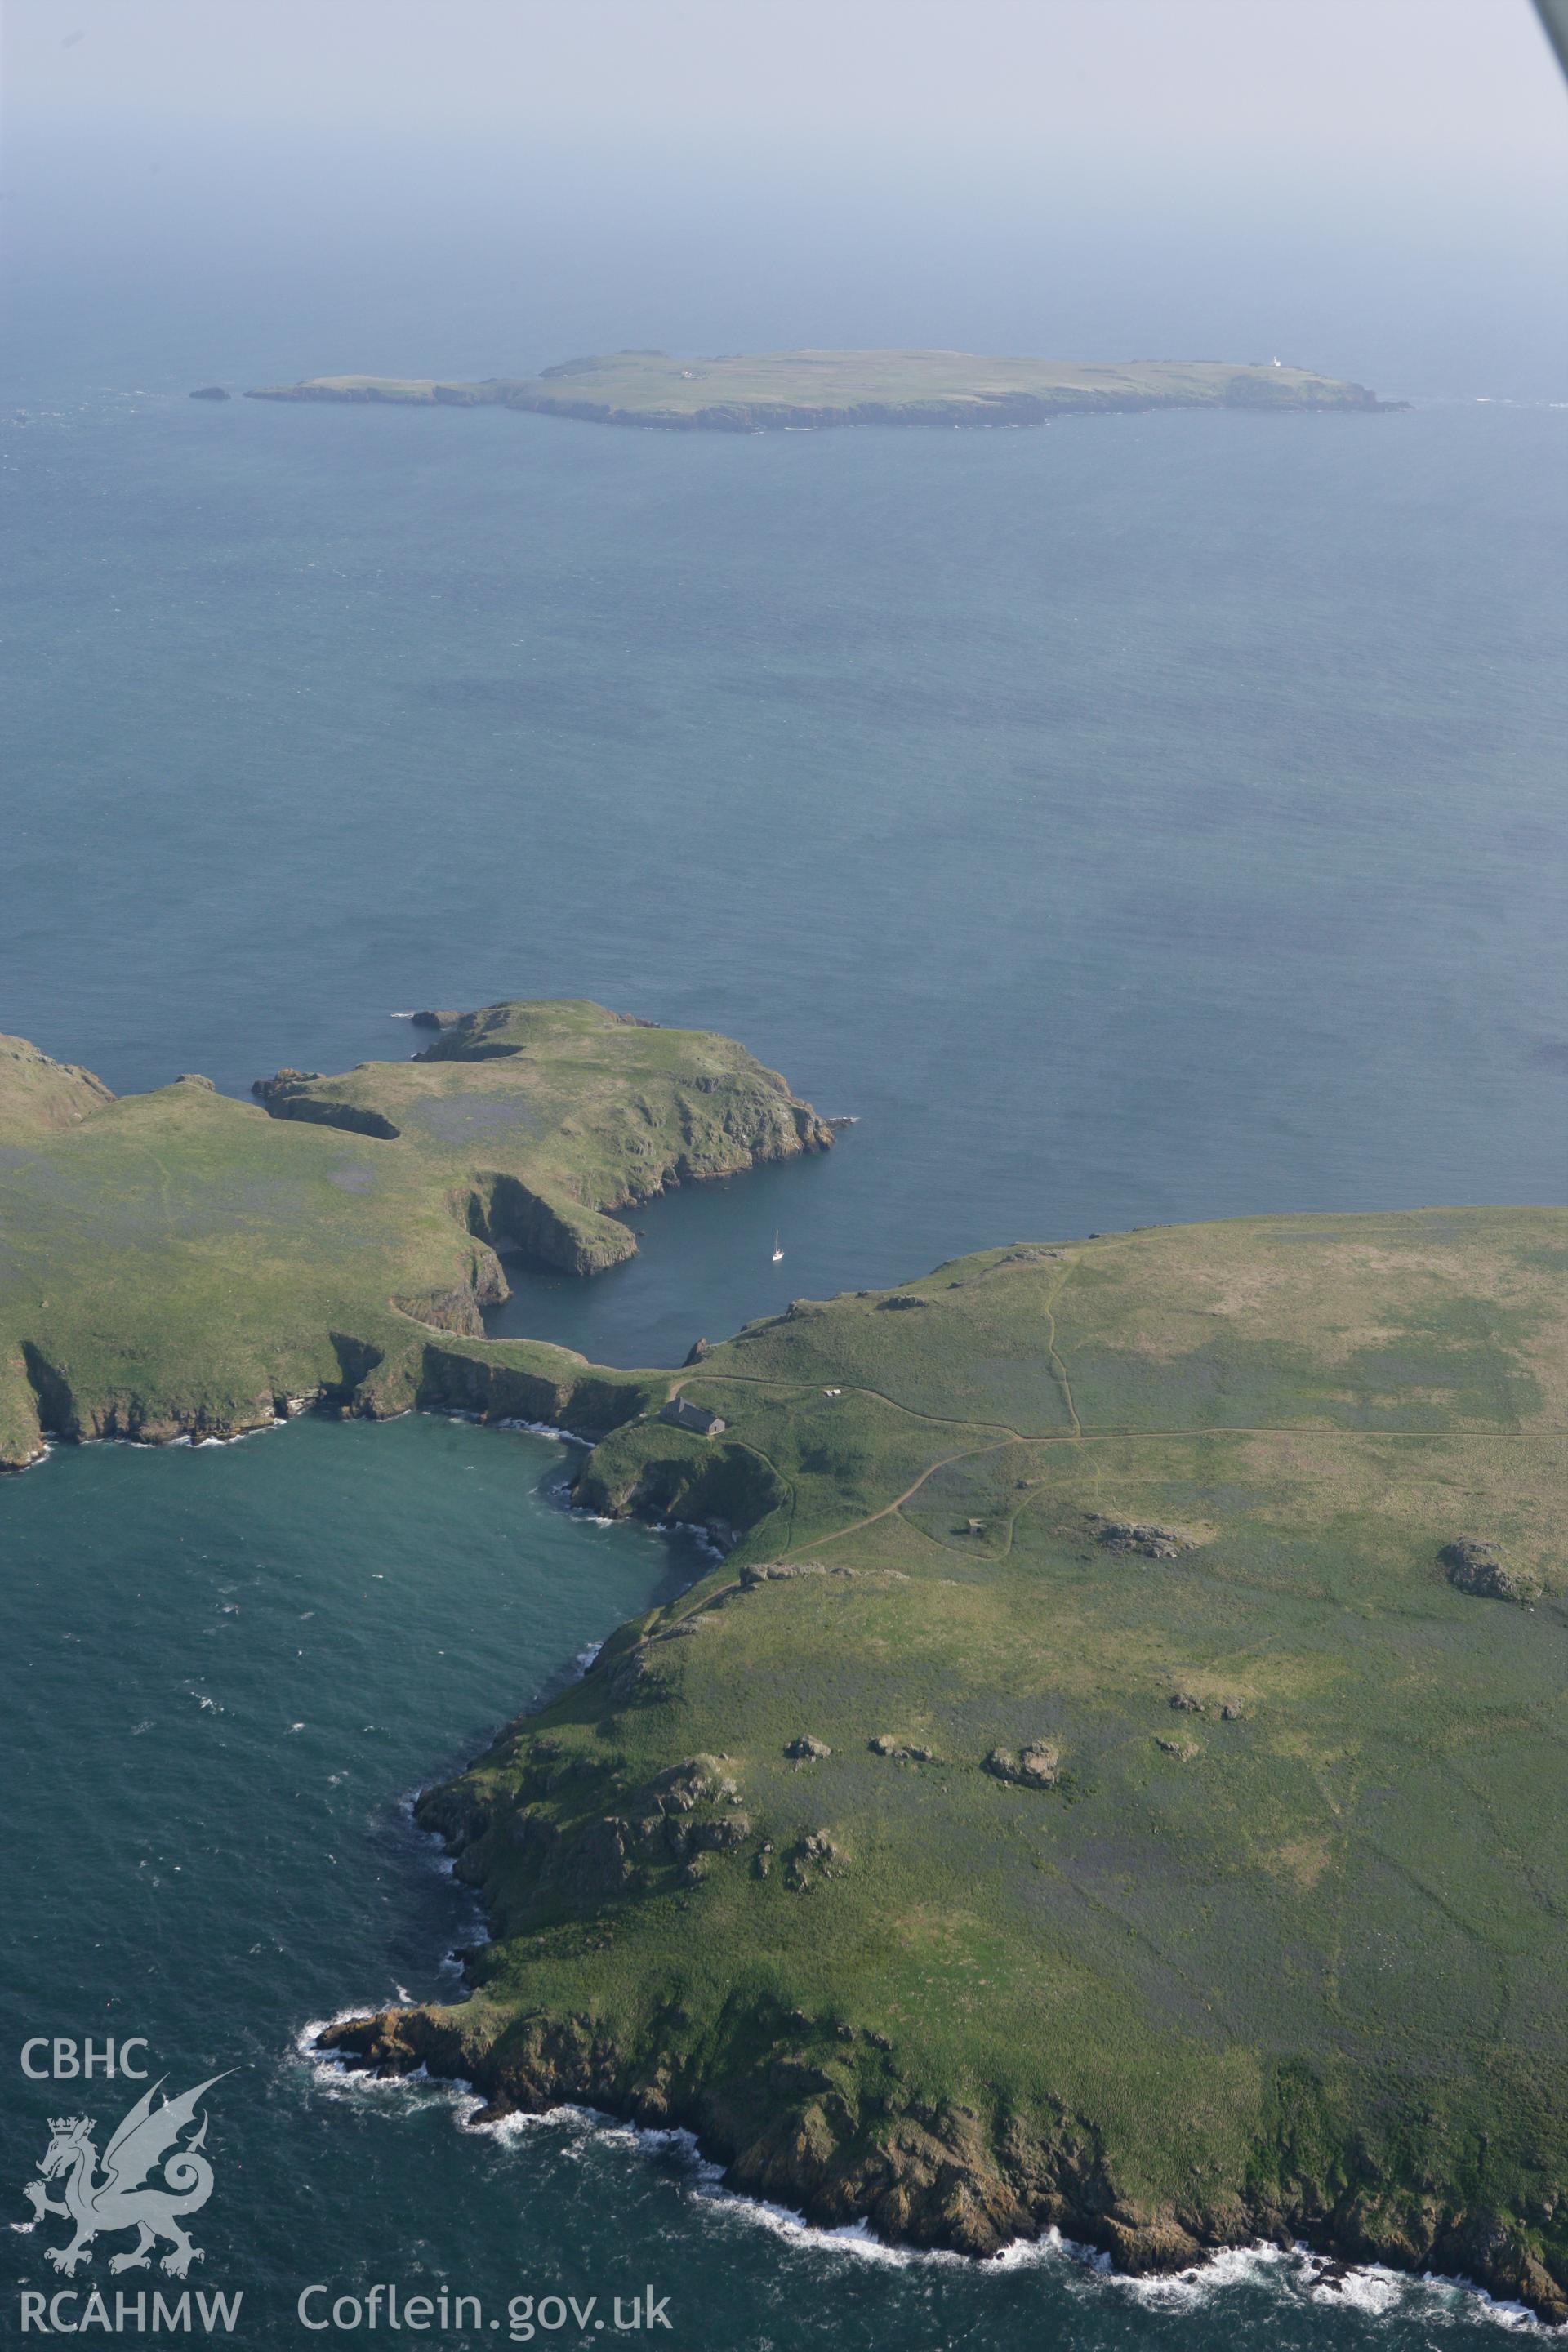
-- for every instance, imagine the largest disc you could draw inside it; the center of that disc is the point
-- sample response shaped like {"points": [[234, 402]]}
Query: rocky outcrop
{"points": [[282, 1084], [679, 1821], [1475, 1566], [1141, 1535], [774, 1571], [39, 1095], [1038, 1766]]}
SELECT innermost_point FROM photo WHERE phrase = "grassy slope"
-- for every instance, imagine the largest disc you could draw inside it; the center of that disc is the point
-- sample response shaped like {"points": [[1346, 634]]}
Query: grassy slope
{"points": [[827, 387], [178, 1261], [1298, 1969], [38, 1093]]}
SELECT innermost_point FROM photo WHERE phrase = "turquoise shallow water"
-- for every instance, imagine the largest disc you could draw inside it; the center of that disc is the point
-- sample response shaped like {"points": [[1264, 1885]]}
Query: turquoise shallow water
{"points": [[1139, 819]]}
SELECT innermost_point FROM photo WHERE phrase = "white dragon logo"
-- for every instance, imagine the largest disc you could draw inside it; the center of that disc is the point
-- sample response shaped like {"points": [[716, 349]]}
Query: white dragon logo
{"points": [[123, 2197]]}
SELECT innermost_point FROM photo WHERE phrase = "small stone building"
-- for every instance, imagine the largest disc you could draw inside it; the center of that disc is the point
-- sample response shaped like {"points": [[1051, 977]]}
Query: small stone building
{"points": [[684, 1415]]}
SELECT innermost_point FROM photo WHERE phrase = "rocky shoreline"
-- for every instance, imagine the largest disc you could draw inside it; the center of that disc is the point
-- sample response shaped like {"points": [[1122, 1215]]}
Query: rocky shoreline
{"points": [[937, 2178]]}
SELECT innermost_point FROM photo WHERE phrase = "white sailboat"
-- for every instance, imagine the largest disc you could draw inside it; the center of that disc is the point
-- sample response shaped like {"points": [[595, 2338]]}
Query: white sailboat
{"points": [[777, 1252]]}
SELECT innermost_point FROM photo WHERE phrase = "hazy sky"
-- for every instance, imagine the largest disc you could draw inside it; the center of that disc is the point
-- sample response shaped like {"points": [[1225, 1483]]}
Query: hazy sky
{"points": [[1377, 186], [1453, 89]]}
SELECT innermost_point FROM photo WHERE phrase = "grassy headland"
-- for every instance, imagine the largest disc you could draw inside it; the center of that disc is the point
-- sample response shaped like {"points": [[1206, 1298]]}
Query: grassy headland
{"points": [[1094, 1792], [180, 1263], [1115, 1778], [749, 393]]}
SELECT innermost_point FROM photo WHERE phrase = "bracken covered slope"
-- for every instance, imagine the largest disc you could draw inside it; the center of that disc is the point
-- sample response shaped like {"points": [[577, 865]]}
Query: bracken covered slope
{"points": [[1116, 1783]]}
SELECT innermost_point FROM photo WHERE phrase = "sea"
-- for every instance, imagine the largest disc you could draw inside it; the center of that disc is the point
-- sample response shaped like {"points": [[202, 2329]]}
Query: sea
{"points": [[1136, 819]]}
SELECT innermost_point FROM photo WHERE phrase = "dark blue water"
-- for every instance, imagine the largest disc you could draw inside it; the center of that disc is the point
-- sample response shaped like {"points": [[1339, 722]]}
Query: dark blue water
{"points": [[1142, 818], [1137, 819]]}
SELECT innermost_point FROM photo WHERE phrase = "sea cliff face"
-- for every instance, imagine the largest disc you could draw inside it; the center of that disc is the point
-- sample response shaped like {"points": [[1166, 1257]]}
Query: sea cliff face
{"points": [[803, 2124]]}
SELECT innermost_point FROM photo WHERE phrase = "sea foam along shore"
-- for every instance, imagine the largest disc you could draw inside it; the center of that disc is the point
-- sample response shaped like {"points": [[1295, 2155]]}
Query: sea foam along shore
{"points": [[1286, 2278], [1289, 2277]]}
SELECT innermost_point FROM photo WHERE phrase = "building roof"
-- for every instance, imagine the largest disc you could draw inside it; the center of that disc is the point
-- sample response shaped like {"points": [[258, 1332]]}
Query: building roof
{"points": [[686, 1415]]}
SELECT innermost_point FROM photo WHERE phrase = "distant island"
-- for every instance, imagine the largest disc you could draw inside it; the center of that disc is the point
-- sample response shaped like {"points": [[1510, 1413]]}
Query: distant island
{"points": [[1111, 1776], [775, 390]]}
